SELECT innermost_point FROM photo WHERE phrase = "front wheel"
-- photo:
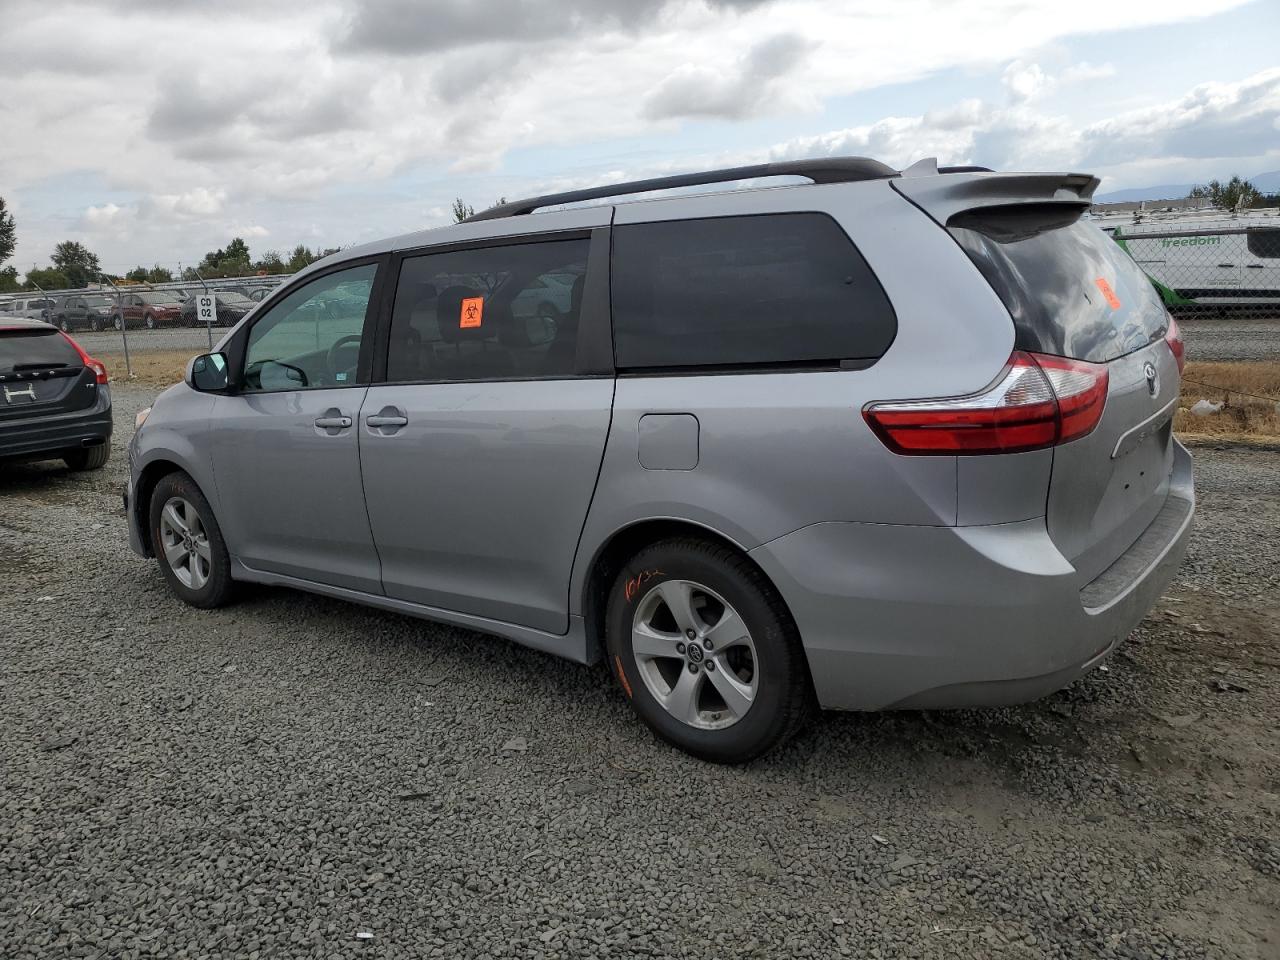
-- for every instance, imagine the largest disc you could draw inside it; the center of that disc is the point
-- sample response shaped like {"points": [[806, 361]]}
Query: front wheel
{"points": [[150, 321], [188, 543], [706, 651]]}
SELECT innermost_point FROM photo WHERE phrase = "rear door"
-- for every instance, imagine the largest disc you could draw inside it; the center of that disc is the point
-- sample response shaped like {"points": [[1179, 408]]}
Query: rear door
{"points": [[41, 374], [1072, 292], [481, 450]]}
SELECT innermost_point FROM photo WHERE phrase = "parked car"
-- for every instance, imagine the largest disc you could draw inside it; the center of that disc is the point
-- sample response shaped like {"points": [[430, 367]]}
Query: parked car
{"points": [[756, 464], [147, 308], [31, 308], [54, 399], [254, 291], [230, 309], [82, 312]]}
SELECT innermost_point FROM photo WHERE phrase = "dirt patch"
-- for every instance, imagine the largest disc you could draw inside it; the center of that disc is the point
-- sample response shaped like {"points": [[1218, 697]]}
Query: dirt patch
{"points": [[157, 368], [1248, 394]]}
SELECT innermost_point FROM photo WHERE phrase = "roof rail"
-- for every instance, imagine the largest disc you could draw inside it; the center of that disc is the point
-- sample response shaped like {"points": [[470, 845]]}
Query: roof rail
{"points": [[830, 170]]}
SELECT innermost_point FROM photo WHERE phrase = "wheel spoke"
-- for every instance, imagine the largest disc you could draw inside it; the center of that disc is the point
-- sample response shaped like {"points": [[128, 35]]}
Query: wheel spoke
{"points": [[647, 642], [176, 520], [202, 548], [682, 701], [728, 630], [737, 695], [175, 553], [678, 596]]}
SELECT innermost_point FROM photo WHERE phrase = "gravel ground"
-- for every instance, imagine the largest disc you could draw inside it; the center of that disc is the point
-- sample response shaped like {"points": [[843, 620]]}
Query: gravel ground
{"points": [[295, 776], [140, 341], [1231, 338]]}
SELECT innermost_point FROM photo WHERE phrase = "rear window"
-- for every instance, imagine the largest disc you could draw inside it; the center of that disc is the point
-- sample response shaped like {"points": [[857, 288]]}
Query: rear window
{"points": [[768, 290], [35, 350], [1071, 289], [1264, 242]]}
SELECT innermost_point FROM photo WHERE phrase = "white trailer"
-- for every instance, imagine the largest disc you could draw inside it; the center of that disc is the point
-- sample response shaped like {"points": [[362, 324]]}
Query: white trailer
{"points": [[1203, 257]]}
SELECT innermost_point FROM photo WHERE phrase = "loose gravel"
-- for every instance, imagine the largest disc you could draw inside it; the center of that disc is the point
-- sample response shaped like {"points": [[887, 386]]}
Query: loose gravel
{"points": [[298, 777]]}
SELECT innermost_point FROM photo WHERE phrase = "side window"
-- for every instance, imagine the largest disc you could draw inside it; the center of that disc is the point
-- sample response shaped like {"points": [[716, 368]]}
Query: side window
{"points": [[1264, 243], [504, 312], [311, 338], [774, 289]]}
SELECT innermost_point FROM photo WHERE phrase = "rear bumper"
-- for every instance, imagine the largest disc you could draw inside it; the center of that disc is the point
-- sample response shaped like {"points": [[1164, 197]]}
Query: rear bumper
{"points": [[40, 437], [930, 617]]}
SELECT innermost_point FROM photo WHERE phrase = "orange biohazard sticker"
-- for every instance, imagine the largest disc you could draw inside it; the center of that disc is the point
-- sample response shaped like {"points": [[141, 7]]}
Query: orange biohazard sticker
{"points": [[471, 312], [1112, 300]]}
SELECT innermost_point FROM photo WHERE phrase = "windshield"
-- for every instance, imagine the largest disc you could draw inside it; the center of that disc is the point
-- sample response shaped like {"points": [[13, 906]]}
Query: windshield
{"points": [[163, 299]]}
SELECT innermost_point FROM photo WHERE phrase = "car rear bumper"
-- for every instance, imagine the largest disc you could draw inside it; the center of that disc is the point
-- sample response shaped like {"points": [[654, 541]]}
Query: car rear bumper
{"points": [[47, 436], [928, 617]]}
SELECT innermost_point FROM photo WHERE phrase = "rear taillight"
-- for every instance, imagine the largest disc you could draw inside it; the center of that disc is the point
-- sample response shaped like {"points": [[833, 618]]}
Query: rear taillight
{"points": [[97, 366], [1173, 337], [1038, 401]]}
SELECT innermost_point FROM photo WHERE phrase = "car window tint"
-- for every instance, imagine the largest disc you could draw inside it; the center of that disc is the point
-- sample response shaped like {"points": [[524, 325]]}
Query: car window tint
{"points": [[35, 349], [311, 338], [779, 289], [499, 312]]}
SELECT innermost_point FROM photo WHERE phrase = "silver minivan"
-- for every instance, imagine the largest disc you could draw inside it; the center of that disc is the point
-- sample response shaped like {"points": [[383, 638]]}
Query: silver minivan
{"points": [[879, 440]]}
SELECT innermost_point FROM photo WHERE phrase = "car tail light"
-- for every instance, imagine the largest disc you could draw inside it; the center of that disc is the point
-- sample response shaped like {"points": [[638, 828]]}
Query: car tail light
{"points": [[97, 366], [1173, 337], [1037, 401]]}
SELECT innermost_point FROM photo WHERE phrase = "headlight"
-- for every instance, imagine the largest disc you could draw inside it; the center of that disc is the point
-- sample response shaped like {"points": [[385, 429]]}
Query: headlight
{"points": [[141, 418]]}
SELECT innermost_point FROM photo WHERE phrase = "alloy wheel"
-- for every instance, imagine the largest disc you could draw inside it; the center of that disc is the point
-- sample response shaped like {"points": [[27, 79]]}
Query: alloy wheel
{"points": [[695, 654], [185, 543]]}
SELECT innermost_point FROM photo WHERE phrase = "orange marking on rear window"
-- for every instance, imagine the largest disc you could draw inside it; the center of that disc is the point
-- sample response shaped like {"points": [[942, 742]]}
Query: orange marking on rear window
{"points": [[1112, 300], [471, 312]]}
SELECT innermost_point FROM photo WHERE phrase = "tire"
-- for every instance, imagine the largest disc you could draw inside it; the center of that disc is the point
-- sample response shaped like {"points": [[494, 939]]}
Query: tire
{"points": [[762, 649], [117, 323], [96, 324], [88, 458], [149, 322], [211, 585], [64, 325]]}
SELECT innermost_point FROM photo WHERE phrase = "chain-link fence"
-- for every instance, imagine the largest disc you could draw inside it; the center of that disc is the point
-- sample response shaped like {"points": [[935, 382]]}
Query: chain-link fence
{"points": [[121, 318]]}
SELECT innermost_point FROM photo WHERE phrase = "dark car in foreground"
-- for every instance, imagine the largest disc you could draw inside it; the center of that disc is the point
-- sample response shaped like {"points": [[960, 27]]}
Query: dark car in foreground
{"points": [[75, 312], [54, 399], [231, 308]]}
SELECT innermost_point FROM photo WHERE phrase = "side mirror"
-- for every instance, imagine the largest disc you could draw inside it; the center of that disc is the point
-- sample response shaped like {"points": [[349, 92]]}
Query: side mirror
{"points": [[207, 373]]}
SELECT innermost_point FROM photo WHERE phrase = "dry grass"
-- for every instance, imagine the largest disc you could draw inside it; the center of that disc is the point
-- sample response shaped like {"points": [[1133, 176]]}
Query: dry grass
{"points": [[1241, 418], [157, 368]]}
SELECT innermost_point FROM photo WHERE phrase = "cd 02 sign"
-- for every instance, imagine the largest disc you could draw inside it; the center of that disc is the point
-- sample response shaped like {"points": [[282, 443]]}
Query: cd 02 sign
{"points": [[206, 309]]}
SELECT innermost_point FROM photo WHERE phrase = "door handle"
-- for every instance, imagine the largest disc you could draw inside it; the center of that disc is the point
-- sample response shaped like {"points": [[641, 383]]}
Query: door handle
{"points": [[330, 423], [1226, 264], [378, 420], [1254, 266]]}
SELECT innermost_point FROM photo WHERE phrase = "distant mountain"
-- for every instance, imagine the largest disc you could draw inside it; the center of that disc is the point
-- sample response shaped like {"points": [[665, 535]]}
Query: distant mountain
{"points": [[1265, 182]]}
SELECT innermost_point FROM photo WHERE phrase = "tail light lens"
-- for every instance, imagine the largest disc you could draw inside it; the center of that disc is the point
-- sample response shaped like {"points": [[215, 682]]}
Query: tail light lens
{"points": [[1173, 337], [97, 366], [1038, 401]]}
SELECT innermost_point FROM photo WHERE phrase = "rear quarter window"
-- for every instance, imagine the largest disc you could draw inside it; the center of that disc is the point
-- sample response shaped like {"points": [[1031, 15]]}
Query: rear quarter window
{"points": [[751, 291]]}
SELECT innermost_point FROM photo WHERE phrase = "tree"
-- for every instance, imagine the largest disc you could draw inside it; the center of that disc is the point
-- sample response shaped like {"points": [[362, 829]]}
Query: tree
{"points": [[1230, 195], [462, 210], [48, 278], [156, 274], [271, 262], [8, 234], [234, 261], [74, 261], [9, 280]]}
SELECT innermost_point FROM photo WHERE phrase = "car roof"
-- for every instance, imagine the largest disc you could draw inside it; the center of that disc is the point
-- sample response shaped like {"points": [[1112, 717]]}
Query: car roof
{"points": [[18, 323]]}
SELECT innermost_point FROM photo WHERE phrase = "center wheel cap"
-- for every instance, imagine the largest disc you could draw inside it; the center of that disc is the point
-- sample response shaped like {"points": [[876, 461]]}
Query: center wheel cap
{"points": [[694, 652]]}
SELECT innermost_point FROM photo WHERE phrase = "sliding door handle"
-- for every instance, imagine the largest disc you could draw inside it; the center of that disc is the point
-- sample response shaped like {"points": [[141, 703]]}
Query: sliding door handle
{"points": [[378, 420]]}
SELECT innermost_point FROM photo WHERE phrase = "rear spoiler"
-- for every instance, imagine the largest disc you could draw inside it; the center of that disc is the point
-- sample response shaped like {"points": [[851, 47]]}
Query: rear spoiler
{"points": [[944, 197]]}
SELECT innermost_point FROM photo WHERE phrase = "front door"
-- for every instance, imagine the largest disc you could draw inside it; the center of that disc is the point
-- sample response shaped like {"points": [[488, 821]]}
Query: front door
{"points": [[481, 451], [286, 458]]}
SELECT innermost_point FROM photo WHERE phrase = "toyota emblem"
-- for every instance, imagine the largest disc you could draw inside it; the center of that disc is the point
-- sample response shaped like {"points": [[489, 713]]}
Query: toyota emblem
{"points": [[1153, 378]]}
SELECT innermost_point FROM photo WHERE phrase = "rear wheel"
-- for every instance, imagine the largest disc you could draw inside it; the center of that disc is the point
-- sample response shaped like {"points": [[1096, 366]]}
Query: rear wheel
{"points": [[96, 324], [64, 325], [117, 323], [188, 543], [88, 458], [706, 651], [150, 321]]}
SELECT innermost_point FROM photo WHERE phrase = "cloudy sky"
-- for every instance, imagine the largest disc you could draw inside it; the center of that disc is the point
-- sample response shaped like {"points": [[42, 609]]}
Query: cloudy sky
{"points": [[153, 130]]}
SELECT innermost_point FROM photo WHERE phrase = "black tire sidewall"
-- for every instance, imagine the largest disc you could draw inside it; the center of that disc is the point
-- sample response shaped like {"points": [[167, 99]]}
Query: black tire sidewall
{"points": [[761, 727], [216, 590]]}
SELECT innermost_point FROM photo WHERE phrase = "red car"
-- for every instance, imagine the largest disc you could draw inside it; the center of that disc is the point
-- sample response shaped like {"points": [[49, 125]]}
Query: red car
{"points": [[150, 309]]}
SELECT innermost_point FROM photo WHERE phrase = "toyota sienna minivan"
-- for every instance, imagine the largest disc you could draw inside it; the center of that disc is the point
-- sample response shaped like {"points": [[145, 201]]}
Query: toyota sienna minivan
{"points": [[882, 439]]}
